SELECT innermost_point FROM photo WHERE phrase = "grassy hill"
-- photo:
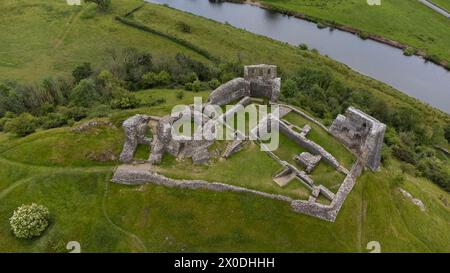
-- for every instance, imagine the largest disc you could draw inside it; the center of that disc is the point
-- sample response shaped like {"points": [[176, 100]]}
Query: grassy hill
{"points": [[66, 170], [405, 21], [102, 216]]}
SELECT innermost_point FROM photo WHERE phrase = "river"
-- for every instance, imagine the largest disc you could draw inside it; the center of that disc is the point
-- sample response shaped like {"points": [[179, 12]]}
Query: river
{"points": [[414, 76]]}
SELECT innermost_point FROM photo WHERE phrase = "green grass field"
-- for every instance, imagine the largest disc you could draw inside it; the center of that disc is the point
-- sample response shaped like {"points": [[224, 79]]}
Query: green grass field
{"points": [[445, 4], [405, 21], [56, 167], [102, 216]]}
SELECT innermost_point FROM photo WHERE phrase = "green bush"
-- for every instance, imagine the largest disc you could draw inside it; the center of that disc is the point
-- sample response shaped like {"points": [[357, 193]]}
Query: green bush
{"points": [[434, 169], [447, 132], [102, 5], [363, 35], [54, 120], [409, 51], [29, 221], [127, 101], [84, 94], [195, 86], [22, 125], [82, 71], [180, 95], [183, 27], [303, 46], [151, 79], [213, 84]]}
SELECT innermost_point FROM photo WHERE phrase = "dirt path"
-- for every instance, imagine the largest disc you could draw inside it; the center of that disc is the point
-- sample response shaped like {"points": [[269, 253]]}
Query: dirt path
{"points": [[117, 227], [73, 19]]}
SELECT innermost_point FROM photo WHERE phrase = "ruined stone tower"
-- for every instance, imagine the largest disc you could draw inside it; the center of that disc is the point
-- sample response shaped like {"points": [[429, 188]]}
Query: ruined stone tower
{"points": [[362, 134], [261, 81]]}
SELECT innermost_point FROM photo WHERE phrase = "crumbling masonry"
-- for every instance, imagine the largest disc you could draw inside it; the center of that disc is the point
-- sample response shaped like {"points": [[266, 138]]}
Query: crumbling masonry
{"points": [[359, 132]]}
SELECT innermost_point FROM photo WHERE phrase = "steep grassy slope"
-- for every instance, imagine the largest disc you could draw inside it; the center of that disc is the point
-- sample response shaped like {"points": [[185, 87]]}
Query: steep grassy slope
{"points": [[102, 216], [405, 21], [51, 38]]}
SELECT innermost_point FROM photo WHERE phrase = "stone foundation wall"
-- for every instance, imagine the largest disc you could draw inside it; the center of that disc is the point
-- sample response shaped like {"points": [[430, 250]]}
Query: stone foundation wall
{"points": [[308, 144], [330, 212], [228, 92], [137, 175], [125, 175]]}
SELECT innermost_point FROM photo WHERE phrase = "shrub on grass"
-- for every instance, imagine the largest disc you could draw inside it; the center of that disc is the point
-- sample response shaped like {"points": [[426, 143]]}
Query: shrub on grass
{"points": [[127, 101], [54, 120], [363, 35], [151, 79], [82, 71], [447, 132], [22, 125], [214, 83], [29, 221], [180, 95], [303, 46], [102, 5], [194, 86], [183, 27], [409, 51]]}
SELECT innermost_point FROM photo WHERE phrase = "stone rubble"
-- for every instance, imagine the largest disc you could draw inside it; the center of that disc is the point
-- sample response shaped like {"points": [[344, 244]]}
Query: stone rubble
{"points": [[415, 201], [309, 161]]}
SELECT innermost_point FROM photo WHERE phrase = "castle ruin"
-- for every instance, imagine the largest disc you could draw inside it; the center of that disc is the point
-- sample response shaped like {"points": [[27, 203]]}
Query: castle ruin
{"points": [[359, 132]]}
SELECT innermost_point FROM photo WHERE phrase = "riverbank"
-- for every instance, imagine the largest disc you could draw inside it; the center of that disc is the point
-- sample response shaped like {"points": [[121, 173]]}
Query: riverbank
{"points": [[326, 19]]}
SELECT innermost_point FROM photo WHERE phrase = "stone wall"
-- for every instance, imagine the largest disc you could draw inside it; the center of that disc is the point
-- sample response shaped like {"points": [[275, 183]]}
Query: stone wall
{"points": [[126, 174], [228, 92], [330, 212], [308, 144], [163, 142], [362, 134], [135, 129], [142, 174], [259, 81]]}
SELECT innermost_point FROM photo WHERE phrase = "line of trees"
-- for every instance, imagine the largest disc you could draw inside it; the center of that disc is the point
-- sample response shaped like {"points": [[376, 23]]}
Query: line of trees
{"points": [[94, 92]]}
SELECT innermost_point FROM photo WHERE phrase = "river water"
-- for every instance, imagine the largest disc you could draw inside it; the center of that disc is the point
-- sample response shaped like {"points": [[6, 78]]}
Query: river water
{"points": [[425, 81]]}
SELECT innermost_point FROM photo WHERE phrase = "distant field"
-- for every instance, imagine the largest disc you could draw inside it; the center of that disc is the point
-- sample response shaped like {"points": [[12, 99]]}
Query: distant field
{"points": [[406, 21], [445, 4], [49, 39]]}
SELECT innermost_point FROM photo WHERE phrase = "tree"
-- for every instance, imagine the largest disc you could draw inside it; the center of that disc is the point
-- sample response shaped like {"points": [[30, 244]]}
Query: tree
{"points": [[102, 5], [22, 125], [82, 71], [29, 221], [84, 94], [289, 88], [447, 132]]}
